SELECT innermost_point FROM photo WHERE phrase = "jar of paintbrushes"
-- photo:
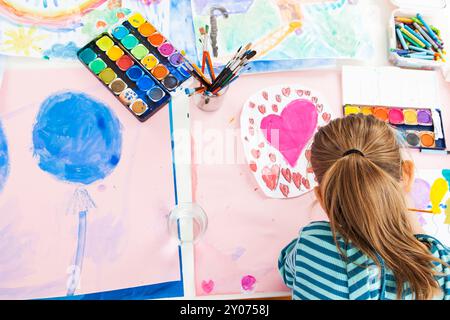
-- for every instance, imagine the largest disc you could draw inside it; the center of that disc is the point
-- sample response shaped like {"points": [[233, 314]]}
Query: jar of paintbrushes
{"points": [[209, 91]]}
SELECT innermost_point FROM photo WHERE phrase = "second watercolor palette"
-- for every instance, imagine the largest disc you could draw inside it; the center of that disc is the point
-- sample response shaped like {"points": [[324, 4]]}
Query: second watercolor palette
{"points": [[421, 128]]}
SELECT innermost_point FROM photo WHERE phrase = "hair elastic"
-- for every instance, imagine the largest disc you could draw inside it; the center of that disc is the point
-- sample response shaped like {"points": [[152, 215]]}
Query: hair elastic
{"points": [[351, 151]]}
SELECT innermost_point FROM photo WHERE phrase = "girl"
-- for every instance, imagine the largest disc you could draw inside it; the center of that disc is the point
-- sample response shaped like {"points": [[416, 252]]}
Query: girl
{"points": [[372, 248]]}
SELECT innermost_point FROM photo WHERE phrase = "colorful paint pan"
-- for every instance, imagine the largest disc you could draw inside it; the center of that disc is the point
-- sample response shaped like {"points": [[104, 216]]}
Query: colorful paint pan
{"points": [[114, 53], [427, 139], [381, 113], [150, 61], [136, 20], [396, 116], [145, 83], [170, 82], [139, 52], [120, 32], [87, 55], [117, 86], [139, 107], [176, 59], [125, 63], [135, 73], [410, 116], [367, 111], [128, 96], [156, 39], [97, 65], [424, 117], [146, 29], [104, 43], [412, 139], [107, 75], [166, 49], [156, 94], [160, 72], [129, 41], [351, 110]]}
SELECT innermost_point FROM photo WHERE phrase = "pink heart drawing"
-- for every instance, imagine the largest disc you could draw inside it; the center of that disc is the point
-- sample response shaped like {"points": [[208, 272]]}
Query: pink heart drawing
{"points": [[284, 190], [270, 176], [208, 286], [265, 95], [275, 107], [286, 174], [253, 166], [286, 91], [278, 98], [292, 130], [251, 105], [297, 178], [262, 108]]}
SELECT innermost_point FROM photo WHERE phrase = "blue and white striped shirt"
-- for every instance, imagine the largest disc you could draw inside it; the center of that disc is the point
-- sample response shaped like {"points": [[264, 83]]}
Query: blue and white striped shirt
{"points": [[313, 268]]}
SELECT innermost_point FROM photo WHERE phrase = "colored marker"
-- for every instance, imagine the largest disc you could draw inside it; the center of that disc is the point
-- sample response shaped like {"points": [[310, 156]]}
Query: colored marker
{"points": [[411, 36], [430, 31], [426, 36], [421, 49], [419, 56], [418, 36], [401, 38], [404, 20]]}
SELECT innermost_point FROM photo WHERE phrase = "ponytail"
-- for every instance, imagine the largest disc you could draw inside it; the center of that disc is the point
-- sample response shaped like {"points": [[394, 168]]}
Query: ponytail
{"points": [[364, 200]]}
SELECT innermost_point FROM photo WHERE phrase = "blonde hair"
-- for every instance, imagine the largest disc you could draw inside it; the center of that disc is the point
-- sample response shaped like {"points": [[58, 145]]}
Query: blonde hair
{"points": [[364, 200]]}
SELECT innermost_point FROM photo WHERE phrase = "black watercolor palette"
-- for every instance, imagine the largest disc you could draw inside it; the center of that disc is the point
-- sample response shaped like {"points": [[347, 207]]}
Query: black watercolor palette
{"points": [[134, 86]]}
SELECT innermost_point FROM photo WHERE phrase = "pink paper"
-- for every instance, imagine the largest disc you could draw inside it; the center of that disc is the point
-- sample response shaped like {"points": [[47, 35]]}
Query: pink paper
{"points": [[127, 243]]}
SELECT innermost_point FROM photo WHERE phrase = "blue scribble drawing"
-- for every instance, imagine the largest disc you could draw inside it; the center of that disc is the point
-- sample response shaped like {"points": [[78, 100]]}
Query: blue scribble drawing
{"points": [[64, 51], [77, 139], [4, 159]]}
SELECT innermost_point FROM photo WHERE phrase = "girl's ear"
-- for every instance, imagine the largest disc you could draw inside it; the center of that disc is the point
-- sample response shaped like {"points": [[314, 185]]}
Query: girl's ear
{"points": [[407, 174]]}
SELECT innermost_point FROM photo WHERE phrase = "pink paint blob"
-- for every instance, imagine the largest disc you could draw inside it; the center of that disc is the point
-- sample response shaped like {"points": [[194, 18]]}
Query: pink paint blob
{"points": [[248, 283], [166, 49], [292, 130], [208, 286], [396, 116]]}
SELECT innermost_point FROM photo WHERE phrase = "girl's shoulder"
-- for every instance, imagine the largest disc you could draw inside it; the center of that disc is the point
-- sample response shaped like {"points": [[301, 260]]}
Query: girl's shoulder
{"points": [[316, 228]]}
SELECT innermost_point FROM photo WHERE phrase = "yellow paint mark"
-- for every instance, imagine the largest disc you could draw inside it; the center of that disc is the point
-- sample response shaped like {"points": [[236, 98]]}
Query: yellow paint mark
{"points": [[438, 190]]}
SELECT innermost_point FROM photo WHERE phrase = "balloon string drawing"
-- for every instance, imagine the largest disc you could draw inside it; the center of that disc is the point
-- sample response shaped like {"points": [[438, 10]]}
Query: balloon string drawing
{"points": [[78, 140]]}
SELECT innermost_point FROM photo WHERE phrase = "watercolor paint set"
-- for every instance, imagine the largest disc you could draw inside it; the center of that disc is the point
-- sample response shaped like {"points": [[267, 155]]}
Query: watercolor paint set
{"points": [[137, 64], [420, 128]]}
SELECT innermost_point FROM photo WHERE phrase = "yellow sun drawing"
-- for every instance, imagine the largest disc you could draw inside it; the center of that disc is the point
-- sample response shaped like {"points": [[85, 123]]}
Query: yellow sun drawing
{"points": [[23, 40]]}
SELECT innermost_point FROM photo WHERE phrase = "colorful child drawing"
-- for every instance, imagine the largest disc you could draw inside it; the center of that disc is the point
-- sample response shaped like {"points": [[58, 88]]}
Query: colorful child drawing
{"points": [[77, 139], [277, 126], [55, 28], [284, 29], [431, 192]]}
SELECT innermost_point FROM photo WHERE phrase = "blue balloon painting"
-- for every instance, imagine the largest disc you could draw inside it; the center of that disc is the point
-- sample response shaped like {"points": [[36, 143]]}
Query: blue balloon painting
{"points": [[77, 138], [4, 159]]}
